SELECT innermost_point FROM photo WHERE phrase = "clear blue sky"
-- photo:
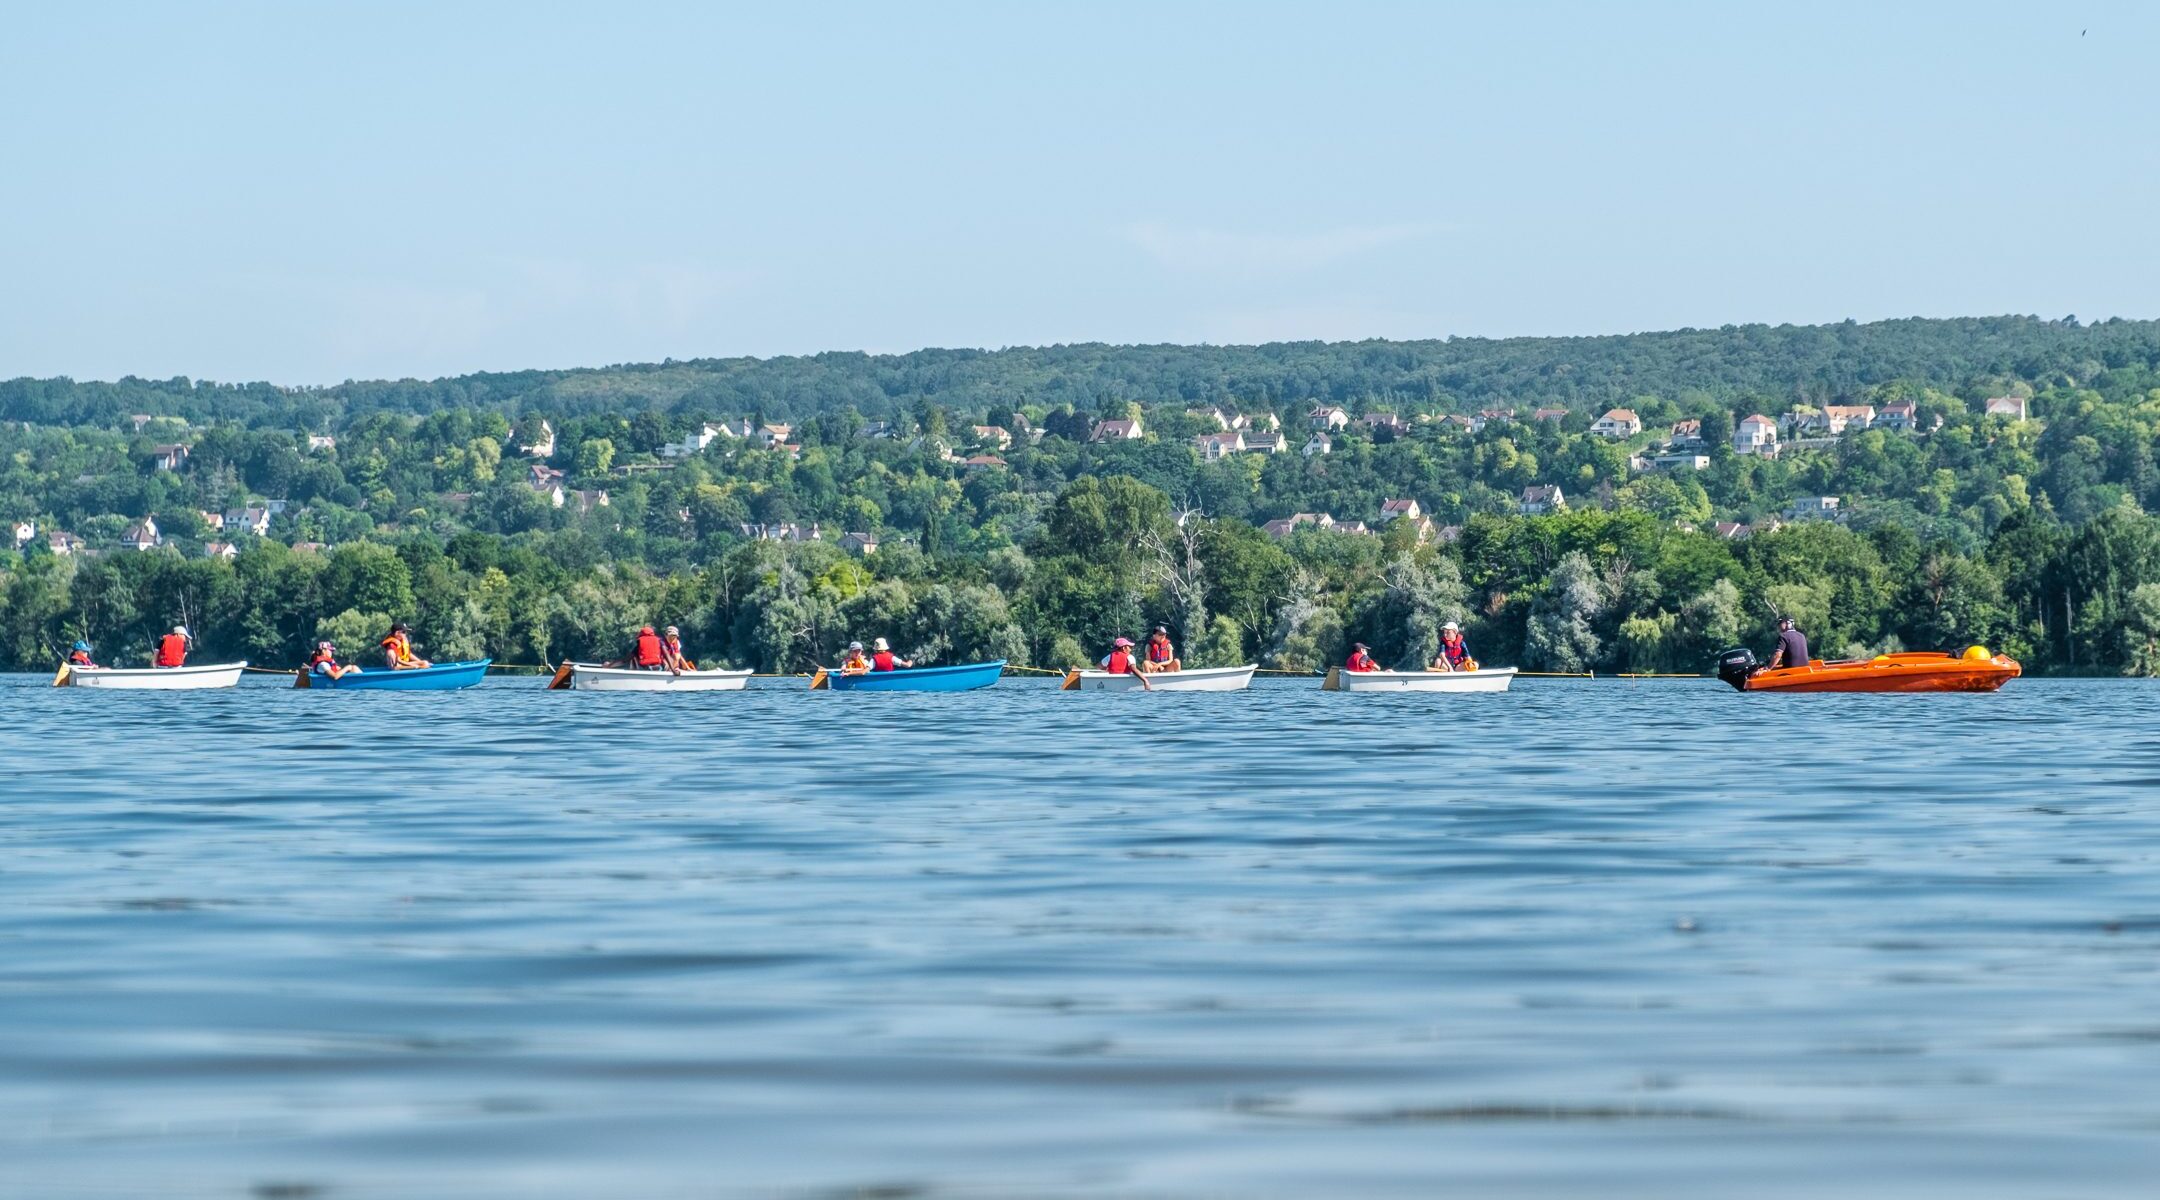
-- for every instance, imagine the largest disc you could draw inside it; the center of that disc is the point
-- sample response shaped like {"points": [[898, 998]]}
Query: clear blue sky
{"points": [[307, 193]]}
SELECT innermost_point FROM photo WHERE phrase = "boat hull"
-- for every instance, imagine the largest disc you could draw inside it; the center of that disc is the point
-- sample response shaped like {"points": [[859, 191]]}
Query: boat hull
{"points": [[1192, 679], [442, 677], [157, 679], [1912, 673], [1484, 679], [588, 678], [962, 677]]}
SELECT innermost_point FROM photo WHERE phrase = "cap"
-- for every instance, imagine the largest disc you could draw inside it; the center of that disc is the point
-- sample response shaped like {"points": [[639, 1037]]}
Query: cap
{"points": [[324, 645], [83, 646], [398, 627], [882, 644], [180, 629], [1360, 646], [1451, 627], [1163, 630], [673, 632], [1122, 642], [854, 645]]}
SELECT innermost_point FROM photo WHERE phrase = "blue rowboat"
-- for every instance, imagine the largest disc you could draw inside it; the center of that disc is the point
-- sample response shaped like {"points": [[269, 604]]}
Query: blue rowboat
{"points": [[965, 677], [442, 677]]}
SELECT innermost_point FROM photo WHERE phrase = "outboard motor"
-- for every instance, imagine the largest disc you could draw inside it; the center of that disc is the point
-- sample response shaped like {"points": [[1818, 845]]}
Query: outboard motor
{"points": [[1735, 665]]}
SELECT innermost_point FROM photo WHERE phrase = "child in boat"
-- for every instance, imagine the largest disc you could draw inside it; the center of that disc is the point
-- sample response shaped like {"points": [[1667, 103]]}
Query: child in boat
{"points": [[883, 659], [1120, 660], [397, 650], [1454, 652], [857, 662], [1161, 655], [79, 656], [671, 655], [1360, 659], [324, 662]]}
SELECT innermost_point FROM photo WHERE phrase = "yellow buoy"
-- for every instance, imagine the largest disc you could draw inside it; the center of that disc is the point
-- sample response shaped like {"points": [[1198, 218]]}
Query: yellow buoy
{"points": [[1977, 654]]}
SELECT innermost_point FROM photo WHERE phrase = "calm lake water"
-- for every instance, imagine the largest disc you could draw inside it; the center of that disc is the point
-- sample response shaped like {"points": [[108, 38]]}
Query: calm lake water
{"points": [[1585, 939]]}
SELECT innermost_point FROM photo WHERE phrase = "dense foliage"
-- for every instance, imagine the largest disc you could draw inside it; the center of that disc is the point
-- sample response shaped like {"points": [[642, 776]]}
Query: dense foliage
{"points": [[2025, 535]]}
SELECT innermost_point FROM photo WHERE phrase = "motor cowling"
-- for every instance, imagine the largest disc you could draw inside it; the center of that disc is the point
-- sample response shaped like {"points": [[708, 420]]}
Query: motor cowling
{"points": [[1735, 665]]}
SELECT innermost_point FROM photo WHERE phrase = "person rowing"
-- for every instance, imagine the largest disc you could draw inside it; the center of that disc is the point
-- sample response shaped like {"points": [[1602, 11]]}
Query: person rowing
{"points": [[1361, 659], [324, 662], [397, 650], [1160, 654], [671, 652], [856, 662], [79, 656], [172, 649], [1454, 652], [646, 652], [1122, 661], [883, 659]]}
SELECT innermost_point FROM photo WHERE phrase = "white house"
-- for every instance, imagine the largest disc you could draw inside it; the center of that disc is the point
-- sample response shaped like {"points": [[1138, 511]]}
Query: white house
{"points": [[697, 439], [1391, 510], [1117, 431], [63, 544], [25, 533], [1680, 462], [245, 520], [1319, 443], [142, 535], [1284, 526], [1264, 443], [1685, 435], [770, 437], [992, 435], [859, 543], [1540, 499], [1377, 421], [1899, 414], [1212, 413], [784, 531], [224, 550], [1756, 434], [550, 490], [321, 441], [1617, 424], [2012, 407], [1327, 417], [1549, 414], [168, 458]]}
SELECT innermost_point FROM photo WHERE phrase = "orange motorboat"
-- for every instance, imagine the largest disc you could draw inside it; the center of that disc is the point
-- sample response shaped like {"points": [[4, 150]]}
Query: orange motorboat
{"points": [[1973, 671]]}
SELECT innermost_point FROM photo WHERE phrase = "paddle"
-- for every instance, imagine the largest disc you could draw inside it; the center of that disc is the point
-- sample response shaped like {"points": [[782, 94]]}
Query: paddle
{"points": [[300, 677], [818, 682], [1072, 680], [1333, 682], [562, 678], [60, 677]]}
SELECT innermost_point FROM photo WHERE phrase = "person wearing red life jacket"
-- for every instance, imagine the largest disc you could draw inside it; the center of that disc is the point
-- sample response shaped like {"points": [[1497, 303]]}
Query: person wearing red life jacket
{"points": [[324, 662], [883, 659], [1360, 659], [79, 656], [646, 654], [1120, 660], [1159, 653], [172, 649], [1454, 652]]}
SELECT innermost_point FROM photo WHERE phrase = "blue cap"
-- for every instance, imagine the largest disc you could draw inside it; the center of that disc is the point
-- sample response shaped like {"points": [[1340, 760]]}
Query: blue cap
{"points": [[81, 646]]}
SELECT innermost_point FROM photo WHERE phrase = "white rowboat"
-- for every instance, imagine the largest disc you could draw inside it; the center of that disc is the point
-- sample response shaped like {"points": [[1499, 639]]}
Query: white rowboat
{"points": [[153, 679], [1484, 679], [586, 677], [1192, 679]]}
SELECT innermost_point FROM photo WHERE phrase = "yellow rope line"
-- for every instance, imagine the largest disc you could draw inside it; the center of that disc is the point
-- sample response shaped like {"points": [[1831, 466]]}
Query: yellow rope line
{"points": [[269, 671], [1558, 674]]}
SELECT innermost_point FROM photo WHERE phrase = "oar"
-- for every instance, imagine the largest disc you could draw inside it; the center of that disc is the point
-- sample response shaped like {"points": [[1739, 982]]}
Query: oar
{"points": [[818, 682], [1072, 680], [562, 678], [1333, 682], [300, 677], [60, 677]]}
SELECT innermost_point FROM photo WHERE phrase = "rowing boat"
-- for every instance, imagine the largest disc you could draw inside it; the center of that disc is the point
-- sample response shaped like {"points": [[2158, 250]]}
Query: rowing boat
{"points": [[961, 677], [592, 678], [1191, 679], [1484, 679], [152, 679], [1973, 671], [442, 677]]}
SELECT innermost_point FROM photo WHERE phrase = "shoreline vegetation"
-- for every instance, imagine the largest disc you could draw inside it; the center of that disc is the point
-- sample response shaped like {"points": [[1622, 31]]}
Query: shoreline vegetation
{"points": [[1618, 504]]}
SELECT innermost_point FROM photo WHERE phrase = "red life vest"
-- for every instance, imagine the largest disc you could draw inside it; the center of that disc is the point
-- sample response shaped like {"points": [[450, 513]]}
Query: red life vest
{"points": [[648, 650], [1360, 661], [882, 661], [1456, 652], [80, 658], [172, 651], [1120, 662], [1159, 650]]}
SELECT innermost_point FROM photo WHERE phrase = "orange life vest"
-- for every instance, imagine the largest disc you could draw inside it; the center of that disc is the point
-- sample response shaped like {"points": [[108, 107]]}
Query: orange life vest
{"points": [[80, 658], [172, 651], [648, 650], [399, 646]]}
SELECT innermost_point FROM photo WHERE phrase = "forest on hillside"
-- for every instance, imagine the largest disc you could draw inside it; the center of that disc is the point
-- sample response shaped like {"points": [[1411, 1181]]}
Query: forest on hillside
{"points": [[540, 515]]}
